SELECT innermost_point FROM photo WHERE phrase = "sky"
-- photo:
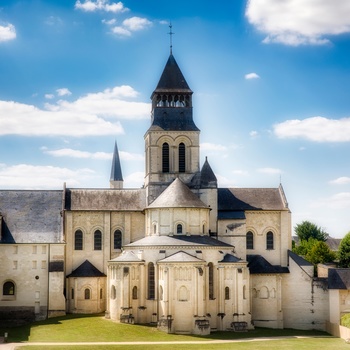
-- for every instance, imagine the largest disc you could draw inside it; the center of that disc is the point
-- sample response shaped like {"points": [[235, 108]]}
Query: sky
{"points": [[271, 82]]}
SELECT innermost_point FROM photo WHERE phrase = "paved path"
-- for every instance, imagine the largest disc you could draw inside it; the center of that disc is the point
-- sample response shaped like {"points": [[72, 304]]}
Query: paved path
{"points": [[13, 346]]}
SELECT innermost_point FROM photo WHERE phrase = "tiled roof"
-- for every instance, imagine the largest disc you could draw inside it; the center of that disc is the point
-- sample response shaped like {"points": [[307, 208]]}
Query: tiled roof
{"points": [[339, 278], [31, 216], [177, 195], [86, 269], [105, 199], [259, 265], [180, 257]]}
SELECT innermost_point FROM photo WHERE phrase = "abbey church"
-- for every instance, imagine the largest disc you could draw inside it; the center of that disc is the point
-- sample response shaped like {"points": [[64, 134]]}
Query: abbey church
{"points": [[179, 252]]}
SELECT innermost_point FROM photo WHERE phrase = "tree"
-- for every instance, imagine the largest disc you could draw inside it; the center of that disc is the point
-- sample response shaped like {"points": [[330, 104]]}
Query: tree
{"points": [[307, 230], [320, 253], [304, 246], [344, 251]]}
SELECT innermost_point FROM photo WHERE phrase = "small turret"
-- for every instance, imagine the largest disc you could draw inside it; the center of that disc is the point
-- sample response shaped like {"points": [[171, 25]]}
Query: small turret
{"points": [[116, 181]]}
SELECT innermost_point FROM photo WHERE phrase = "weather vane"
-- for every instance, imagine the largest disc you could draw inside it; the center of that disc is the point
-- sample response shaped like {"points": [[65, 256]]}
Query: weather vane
{"points": [[171, 33]]}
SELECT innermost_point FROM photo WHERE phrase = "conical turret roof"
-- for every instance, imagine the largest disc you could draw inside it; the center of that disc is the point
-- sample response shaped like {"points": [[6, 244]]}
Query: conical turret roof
{"points": [[177, 195], [208, 178], [116, 172]]}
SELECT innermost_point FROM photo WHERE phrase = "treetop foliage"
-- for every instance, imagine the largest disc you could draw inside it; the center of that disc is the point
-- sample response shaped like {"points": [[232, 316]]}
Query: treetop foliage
{"points": [[307, 230], [344, 251]]}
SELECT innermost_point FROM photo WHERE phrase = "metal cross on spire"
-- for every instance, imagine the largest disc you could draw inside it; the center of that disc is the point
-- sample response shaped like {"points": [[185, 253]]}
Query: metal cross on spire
{"points": [[171, 33]]}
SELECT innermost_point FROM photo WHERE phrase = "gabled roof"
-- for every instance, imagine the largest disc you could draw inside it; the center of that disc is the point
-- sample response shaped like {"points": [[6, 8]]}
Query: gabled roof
{"points": [[298, 259], [180, 240], [339, 279], [116, 171], [177, 195], [127, 256], [86, 269], [181, 257], [172, 78], [31, 216], [259, 265], [250, 199]]}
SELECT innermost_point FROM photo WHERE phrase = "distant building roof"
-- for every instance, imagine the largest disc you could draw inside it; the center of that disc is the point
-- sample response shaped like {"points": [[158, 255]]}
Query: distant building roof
{"points": [[259, 265], [86, 269], [177, 195], [31, 216], [105, 199], [339, 279]]}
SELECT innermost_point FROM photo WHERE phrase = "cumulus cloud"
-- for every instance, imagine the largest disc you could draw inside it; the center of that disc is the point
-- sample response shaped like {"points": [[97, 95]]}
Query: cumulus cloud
{"points": [[24, 176], [206, 146], [49, 96], [63, 92], [299, 22], [337, 201], [100, 5], [134, 180], [343, 180], [250, 76], [129, 25], [86, 116], [72, 153], [270, 171], [318, 129], [7, 32]]}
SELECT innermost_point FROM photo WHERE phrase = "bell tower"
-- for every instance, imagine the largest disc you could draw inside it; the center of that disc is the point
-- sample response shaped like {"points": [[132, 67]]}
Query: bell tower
{"points": [[172, 141]]}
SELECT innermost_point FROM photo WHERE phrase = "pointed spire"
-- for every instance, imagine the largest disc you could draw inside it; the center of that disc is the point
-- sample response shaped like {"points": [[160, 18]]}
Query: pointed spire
{"points": [[116, 180], [208, 178]]}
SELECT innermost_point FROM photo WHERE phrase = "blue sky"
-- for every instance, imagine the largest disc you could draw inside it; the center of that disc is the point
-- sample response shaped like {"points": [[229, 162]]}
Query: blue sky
{"points": [[271, 82]]}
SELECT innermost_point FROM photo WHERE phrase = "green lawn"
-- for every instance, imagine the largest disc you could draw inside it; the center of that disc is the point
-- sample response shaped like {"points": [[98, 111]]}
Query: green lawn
{"points": [[95, 328]]}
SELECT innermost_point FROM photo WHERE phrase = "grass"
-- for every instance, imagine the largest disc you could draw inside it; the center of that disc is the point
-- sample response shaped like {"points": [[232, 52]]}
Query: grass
{"points": [[95, 328]]}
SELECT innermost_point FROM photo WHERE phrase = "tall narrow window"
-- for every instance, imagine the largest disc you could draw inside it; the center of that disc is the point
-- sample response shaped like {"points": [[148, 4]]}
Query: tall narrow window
{"points": [[211, 281], [151, 281], [8, 288], [78, 240], [165, 158], [269, 240], [178, 228], [97, 240], [227, 293], [72, 293], [250, 240], [87, 294], [117, 239], [134, 292], [182, 158]]}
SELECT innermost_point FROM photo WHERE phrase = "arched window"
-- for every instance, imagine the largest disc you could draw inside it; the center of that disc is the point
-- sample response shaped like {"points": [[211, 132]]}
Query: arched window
{"points": [[182, 158], [178, 228], [151, 281], [165, 158], [244, 292], [134, 292], [227, 293], [117, 239], [113, 292], [101, 293], [97, 240], [78, 240], [264, 293], [211, 281], [269, 240], [183, 294], [8, 288], [87, 294], [250, 240]]}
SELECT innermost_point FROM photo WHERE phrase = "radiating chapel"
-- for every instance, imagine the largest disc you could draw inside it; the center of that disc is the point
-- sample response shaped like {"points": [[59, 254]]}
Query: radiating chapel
{"points": [[179, 252]]}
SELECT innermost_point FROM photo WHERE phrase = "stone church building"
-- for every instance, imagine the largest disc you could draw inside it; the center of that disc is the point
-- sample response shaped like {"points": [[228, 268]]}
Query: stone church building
{"points": [[178, 252]]}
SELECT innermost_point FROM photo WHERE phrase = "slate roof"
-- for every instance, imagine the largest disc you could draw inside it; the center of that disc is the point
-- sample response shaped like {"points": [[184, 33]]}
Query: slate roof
{"points": [[339, 279], [259, 265], [105, 199], [229, 258], [177, 195], [172, 78], [31, 216], [194, 240], [238, 199], [86, 269], [181, 257], [116, 171], [298, 259], [208, 178]]}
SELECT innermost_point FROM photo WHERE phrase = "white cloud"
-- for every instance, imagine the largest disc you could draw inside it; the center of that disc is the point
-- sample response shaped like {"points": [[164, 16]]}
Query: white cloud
{"points": [[315, 129], [109, 22], [224, 181], [7, 32], [24, 176], [344, 180], [253, 134], [54, 21], [270, 171], [130, 156], [101, 5], [240, 172], [250, 76], [299, 22], [206, 146], [120, 31], [338, 201], [63, 92], [49, 96], [136, 23], [134, 180]]}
